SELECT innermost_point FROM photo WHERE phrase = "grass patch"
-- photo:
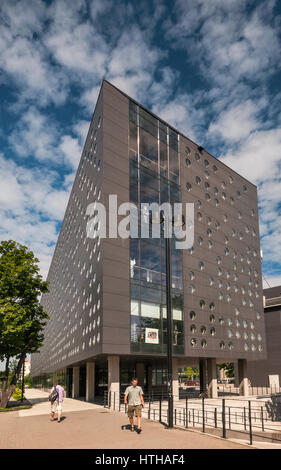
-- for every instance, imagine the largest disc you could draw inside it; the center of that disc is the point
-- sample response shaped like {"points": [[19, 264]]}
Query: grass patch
{"points": [[15, 408]]}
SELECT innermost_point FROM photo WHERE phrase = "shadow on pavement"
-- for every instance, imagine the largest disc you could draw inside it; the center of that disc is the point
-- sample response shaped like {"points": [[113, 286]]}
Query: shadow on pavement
{"points": [[34, 401]]}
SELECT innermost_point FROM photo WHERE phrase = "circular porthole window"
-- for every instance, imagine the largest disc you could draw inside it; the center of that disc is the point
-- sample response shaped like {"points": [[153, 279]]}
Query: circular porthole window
{"points": [[202, 303], [192, 315], [193, 329], [201, 265], [191, 288]]}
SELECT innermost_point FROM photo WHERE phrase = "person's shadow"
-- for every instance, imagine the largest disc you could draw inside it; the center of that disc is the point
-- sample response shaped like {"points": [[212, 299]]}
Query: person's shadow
{"points": [[127, 427], [62, 418]]}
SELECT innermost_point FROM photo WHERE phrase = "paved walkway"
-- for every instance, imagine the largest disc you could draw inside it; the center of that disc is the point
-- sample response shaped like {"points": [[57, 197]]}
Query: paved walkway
{"points": [[41, 406], [91, 426]]}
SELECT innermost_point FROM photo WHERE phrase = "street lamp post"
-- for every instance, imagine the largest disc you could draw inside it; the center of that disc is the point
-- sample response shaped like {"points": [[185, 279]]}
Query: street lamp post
{"points": [[22, 382], [169, 318], [169, 335]]}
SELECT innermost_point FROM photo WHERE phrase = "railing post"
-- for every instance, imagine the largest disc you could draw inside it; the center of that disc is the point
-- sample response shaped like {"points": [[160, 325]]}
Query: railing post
{"points": [[175, 416], [229, 418], [245, 422], [203, 415], [223, 419], [262, 421], [160, 410], [216, 418], [250, 424], [114, 401], [193, 417], [186, 413], [149, 407]]}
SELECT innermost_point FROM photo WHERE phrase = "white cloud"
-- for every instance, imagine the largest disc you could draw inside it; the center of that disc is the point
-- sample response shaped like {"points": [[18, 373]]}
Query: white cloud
{"points": [[227, 40], [30, 207], [81, 128], [258, 157], [272, 280], [26, 62], [55, 51], [237, 122], [38, 136]]}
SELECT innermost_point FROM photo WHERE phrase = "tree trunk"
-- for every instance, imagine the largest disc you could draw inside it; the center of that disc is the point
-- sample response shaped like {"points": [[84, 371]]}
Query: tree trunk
{"points": [[6, 375], [5, 381], [6, 395]]}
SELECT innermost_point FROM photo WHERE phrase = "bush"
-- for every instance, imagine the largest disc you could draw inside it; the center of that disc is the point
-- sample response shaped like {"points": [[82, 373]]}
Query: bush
{"points": [[15, 408], [17, 394]]}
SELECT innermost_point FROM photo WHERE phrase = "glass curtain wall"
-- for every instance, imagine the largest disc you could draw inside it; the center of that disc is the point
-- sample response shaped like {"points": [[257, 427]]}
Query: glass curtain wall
{"points": [[154, 177], [47, 381]]}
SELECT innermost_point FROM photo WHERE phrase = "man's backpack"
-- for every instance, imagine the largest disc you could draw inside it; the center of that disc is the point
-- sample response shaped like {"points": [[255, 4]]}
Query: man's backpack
{"points": [[54, 395]]}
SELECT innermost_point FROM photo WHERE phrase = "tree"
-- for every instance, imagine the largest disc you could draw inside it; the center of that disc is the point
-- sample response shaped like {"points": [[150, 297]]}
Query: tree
{"points": [[190, 372], [22, 318]]}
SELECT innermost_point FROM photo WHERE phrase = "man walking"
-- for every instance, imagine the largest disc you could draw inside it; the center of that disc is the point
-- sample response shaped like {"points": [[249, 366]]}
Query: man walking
{"points": [[56, 405], [134, 399]]}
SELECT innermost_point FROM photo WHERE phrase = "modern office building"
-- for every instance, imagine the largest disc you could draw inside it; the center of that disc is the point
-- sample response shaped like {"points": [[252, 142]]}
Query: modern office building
{"points": [[107, 298], [267, 372]]}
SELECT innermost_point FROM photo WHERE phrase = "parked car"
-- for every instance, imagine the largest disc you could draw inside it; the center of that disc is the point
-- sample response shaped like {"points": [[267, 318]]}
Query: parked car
{"points": [[192, 383]]}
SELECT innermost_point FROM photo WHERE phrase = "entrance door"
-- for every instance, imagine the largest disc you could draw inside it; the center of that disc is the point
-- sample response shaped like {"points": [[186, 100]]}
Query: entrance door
{"points": [[82, 382], [69, 382], [101, 380]]}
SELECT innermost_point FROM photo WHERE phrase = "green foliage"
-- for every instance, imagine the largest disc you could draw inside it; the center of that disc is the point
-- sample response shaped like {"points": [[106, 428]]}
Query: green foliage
{"points": [[228, 368], [17, 394], [16, 408], [22, 318], [190, 372]]}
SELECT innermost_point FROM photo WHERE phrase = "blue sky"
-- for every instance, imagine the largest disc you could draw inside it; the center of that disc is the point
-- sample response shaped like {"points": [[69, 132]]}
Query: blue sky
{"points": [[210, 68]]}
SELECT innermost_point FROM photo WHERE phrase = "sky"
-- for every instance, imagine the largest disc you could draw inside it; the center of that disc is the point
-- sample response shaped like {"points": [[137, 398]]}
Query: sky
{"points": [[209, 68]]}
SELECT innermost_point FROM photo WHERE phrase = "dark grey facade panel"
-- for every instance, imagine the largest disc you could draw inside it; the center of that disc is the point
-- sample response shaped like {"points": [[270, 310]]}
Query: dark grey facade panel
{"points": [[260, 370], [89, 299]]}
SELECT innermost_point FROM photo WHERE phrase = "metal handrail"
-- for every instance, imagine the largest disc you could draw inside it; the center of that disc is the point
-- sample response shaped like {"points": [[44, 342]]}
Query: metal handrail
{"points": [[198, 412]]}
